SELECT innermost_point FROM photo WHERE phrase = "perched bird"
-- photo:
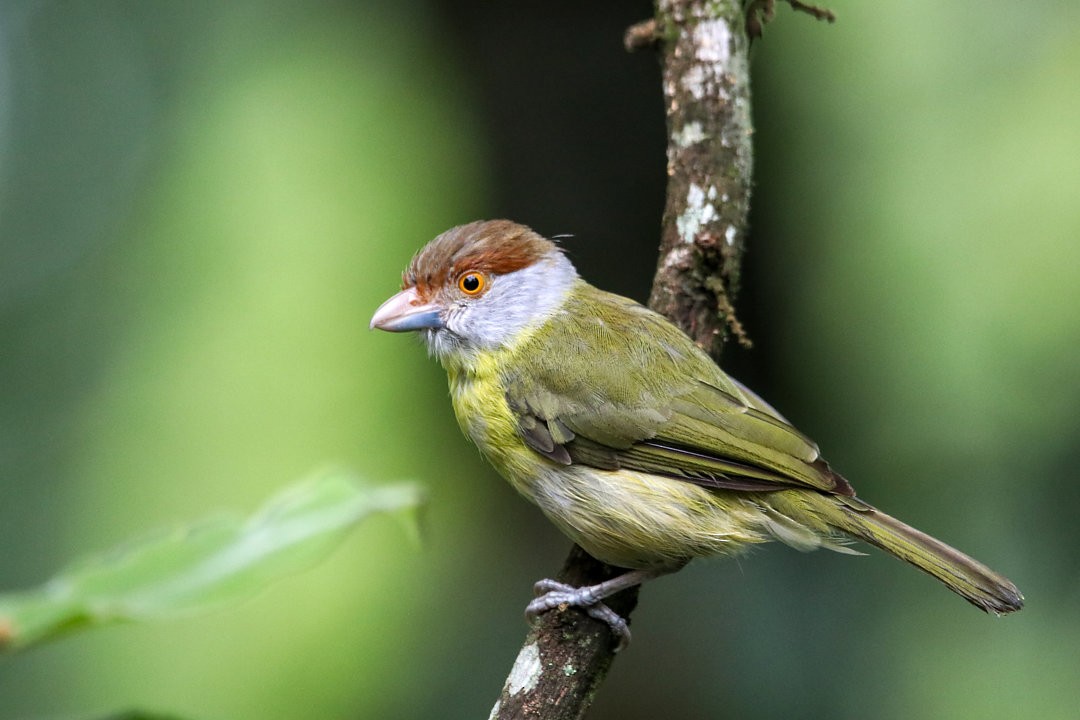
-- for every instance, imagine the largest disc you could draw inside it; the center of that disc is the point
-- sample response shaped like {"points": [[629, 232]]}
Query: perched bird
{"points": [[625, 433]]}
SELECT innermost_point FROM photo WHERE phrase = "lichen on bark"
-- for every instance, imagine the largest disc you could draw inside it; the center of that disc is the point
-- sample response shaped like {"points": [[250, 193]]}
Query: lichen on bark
{"points": [[706, 85]]}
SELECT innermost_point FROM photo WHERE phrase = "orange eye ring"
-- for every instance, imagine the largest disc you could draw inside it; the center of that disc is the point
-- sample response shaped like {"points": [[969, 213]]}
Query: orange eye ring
{"points": [[472, 283]]}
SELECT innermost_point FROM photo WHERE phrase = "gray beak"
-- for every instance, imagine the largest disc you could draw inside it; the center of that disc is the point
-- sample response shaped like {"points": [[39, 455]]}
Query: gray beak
{"points": [[405, 312]]}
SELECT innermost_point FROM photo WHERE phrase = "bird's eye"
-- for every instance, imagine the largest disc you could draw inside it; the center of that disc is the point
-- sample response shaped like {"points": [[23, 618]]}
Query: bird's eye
{"points": [[472, 283]]}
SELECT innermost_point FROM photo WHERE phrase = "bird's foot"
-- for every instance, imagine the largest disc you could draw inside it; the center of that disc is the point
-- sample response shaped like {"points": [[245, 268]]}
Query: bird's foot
{"points": [[551, 594]]}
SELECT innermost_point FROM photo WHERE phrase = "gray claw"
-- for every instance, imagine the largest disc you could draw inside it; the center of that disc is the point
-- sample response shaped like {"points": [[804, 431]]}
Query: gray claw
{"points": [[552, 594]]}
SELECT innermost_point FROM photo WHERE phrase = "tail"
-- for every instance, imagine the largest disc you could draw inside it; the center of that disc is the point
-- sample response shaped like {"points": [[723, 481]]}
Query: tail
{"points": [[965, 576]]}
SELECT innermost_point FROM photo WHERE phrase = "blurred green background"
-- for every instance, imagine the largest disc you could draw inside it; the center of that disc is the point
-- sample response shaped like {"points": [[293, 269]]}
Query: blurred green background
{"points": [[202, 203]]}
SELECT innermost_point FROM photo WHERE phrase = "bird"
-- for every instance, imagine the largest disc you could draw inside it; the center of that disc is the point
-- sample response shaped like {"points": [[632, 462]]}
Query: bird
{"points": [[625, 433]]}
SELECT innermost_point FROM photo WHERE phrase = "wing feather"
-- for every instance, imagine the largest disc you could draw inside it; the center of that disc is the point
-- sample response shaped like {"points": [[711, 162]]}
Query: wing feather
{"points": [[654, 403]]}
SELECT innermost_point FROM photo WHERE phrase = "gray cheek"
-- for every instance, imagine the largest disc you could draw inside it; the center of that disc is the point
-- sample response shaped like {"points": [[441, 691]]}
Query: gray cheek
{"points": [[512, 303], [485, 332], [500, 315], [478, 326]]}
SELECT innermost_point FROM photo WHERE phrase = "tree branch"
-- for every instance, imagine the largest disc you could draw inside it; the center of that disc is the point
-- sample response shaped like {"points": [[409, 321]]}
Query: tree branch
{"points": [[707, 99], [707, 95], [566, 654]]}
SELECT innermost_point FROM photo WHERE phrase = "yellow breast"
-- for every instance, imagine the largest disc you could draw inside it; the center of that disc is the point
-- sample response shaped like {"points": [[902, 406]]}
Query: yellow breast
{"points": [[629, 519], [485, 417]]}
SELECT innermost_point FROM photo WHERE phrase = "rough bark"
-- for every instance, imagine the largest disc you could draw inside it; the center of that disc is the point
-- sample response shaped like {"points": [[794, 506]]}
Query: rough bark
{"points": [[709, 164], [567, 654], [703, 49]]}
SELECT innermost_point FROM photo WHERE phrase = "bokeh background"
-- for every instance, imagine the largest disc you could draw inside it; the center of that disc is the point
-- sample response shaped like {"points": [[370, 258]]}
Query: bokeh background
{"points": [[202, 203]]}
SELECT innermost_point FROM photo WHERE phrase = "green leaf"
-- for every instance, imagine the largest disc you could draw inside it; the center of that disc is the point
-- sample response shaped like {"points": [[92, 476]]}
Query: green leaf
{"points": [[215, 561]]}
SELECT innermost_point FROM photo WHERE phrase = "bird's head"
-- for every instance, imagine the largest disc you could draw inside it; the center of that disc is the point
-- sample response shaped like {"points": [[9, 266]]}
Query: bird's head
{"points": [[476, 287]]}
